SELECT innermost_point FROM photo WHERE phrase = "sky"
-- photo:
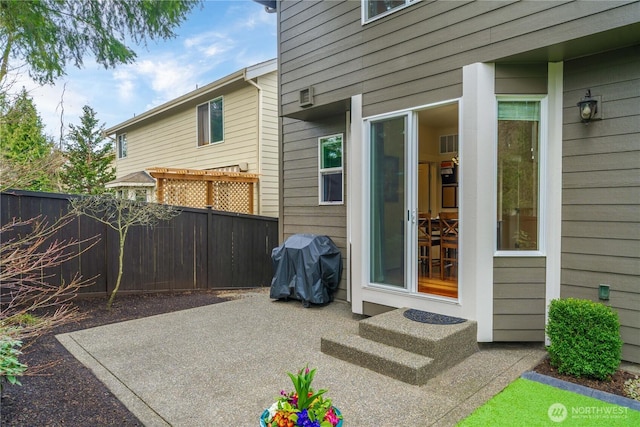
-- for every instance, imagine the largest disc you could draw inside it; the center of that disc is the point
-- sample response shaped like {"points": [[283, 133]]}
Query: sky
{"points": [[215, 41]]}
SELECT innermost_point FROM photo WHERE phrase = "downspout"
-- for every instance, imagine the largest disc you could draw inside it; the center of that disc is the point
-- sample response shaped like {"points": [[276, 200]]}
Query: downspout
{"points": [[259, 139]]}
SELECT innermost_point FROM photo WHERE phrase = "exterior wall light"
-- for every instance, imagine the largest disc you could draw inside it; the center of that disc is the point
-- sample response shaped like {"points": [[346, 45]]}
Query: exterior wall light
{"points": [[588, 107]]}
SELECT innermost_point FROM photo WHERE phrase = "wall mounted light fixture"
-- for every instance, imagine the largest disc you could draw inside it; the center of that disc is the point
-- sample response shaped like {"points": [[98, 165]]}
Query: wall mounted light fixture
{"points": [[588, 107]]}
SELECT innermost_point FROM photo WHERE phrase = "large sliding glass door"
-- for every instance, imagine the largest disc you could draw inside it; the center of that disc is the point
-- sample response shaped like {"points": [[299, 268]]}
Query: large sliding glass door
{"points": [[388, 204], [399, 147]]}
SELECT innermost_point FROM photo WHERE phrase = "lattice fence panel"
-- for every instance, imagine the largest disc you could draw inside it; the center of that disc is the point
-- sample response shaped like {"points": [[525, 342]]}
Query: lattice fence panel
{"points": [[231, 196], [230, 191], [185, 193]]}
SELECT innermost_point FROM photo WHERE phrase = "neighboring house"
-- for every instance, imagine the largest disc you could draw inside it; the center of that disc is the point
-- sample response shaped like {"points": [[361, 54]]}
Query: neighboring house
{"points": [[139, 186], [226, 131], [391, 109]]}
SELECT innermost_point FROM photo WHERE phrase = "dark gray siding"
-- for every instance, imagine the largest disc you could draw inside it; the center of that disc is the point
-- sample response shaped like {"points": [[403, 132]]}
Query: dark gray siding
{"points": [[320, 45], [301, 210], [601, 188], [518, 298], [521, 79], [414, 56]]}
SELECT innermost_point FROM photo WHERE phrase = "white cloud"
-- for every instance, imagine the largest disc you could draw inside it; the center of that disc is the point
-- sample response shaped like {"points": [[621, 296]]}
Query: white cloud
{"points": [[215, 49], [209, 44], [125, 84], [169, 78]]}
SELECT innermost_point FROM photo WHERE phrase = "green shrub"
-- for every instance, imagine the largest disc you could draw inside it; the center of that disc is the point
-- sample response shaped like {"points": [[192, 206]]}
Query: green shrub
{"points": [[10, 367], [585, 338]]}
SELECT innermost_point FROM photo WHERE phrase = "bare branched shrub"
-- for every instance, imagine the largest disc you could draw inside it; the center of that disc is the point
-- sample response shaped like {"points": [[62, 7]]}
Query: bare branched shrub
{"points": [[30, 301], [120, 215]]}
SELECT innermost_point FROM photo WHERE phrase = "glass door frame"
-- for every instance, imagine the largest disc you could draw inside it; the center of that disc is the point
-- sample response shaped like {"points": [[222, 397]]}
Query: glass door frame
{"points": [[411, 160]]}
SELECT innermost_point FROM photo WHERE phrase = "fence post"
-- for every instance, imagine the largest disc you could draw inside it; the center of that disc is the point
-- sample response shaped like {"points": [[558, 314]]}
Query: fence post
{"points": [[209, 246]]}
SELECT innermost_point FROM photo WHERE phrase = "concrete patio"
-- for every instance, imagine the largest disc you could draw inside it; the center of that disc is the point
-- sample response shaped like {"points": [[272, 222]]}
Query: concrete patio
{"points": [[225, 363]]}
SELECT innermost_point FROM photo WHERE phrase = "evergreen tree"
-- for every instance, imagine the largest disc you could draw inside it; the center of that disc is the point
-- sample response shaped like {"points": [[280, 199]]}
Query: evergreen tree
{"points": [[89, 160], [28, 158]]}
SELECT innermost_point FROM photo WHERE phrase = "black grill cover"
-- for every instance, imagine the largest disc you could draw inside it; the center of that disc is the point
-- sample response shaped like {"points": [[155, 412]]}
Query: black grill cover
{"points": [[307, 267]]}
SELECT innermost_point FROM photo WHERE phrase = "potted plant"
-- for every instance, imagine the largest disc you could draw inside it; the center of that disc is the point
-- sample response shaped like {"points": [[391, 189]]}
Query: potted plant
{"points": [[303, 407]]}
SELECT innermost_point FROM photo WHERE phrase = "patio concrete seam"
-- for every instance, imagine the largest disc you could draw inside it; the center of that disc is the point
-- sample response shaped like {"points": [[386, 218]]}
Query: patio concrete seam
{"points": [[121, 391], [580, 389]]}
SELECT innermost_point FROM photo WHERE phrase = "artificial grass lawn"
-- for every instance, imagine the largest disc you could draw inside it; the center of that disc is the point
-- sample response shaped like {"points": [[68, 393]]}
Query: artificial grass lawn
{"points": [[527, 403]]}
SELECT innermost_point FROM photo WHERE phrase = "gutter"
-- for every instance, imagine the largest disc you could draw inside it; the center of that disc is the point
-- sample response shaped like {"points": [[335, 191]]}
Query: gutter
{"points": [[260, 139]]}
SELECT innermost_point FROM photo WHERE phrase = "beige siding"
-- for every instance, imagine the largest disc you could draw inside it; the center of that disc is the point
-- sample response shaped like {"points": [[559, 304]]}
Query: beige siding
{"points": [[302, 212], [519, 299], [170, 140], [601, 188], [270, 167]]}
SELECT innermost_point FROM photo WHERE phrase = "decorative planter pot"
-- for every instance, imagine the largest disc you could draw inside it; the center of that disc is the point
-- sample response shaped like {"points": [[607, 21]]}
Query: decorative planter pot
{"points": [[266, 413]]}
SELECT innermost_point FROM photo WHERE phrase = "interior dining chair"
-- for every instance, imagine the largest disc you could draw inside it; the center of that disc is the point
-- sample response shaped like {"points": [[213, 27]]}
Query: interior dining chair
{"points": [[428, 237], [448, 244]]}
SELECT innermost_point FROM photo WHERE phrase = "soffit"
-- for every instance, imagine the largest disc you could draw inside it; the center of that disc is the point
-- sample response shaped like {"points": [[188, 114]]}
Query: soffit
{"points": [[617, 38], [321, 111]]}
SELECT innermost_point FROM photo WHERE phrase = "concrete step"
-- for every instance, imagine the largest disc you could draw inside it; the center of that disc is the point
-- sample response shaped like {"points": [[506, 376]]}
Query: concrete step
{"points": [[446, 344], [404, 349], [390, 361]]}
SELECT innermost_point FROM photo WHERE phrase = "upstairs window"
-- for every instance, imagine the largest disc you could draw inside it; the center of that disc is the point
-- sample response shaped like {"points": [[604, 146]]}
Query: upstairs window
{"points": [[122, 145], [373, 9], [210, 122], [330, 169]]}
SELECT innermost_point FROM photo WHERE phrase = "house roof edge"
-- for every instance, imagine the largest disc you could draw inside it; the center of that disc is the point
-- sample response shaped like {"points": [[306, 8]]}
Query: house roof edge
{"points": [[246, 73]]}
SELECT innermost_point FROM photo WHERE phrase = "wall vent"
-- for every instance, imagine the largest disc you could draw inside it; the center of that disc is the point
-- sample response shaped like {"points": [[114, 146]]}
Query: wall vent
{"points": [[306, 97]]}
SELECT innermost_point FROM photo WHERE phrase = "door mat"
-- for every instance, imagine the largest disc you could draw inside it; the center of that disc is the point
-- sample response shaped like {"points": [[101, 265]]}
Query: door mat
{"points": [[432, 318]]}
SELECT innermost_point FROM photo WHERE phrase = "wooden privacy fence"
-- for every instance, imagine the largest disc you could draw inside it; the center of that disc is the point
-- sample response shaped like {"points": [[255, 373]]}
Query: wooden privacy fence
{"points": [[221, 190], [197, 250]]}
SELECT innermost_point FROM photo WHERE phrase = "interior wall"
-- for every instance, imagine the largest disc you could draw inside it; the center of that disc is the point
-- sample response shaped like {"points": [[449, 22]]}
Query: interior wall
{"points": [[429, 151]]}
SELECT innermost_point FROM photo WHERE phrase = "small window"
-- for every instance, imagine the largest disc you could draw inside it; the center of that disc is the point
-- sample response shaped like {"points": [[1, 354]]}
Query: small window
{"points": [[377, 8], [122, 146], [210, 122], [330, 169]]}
